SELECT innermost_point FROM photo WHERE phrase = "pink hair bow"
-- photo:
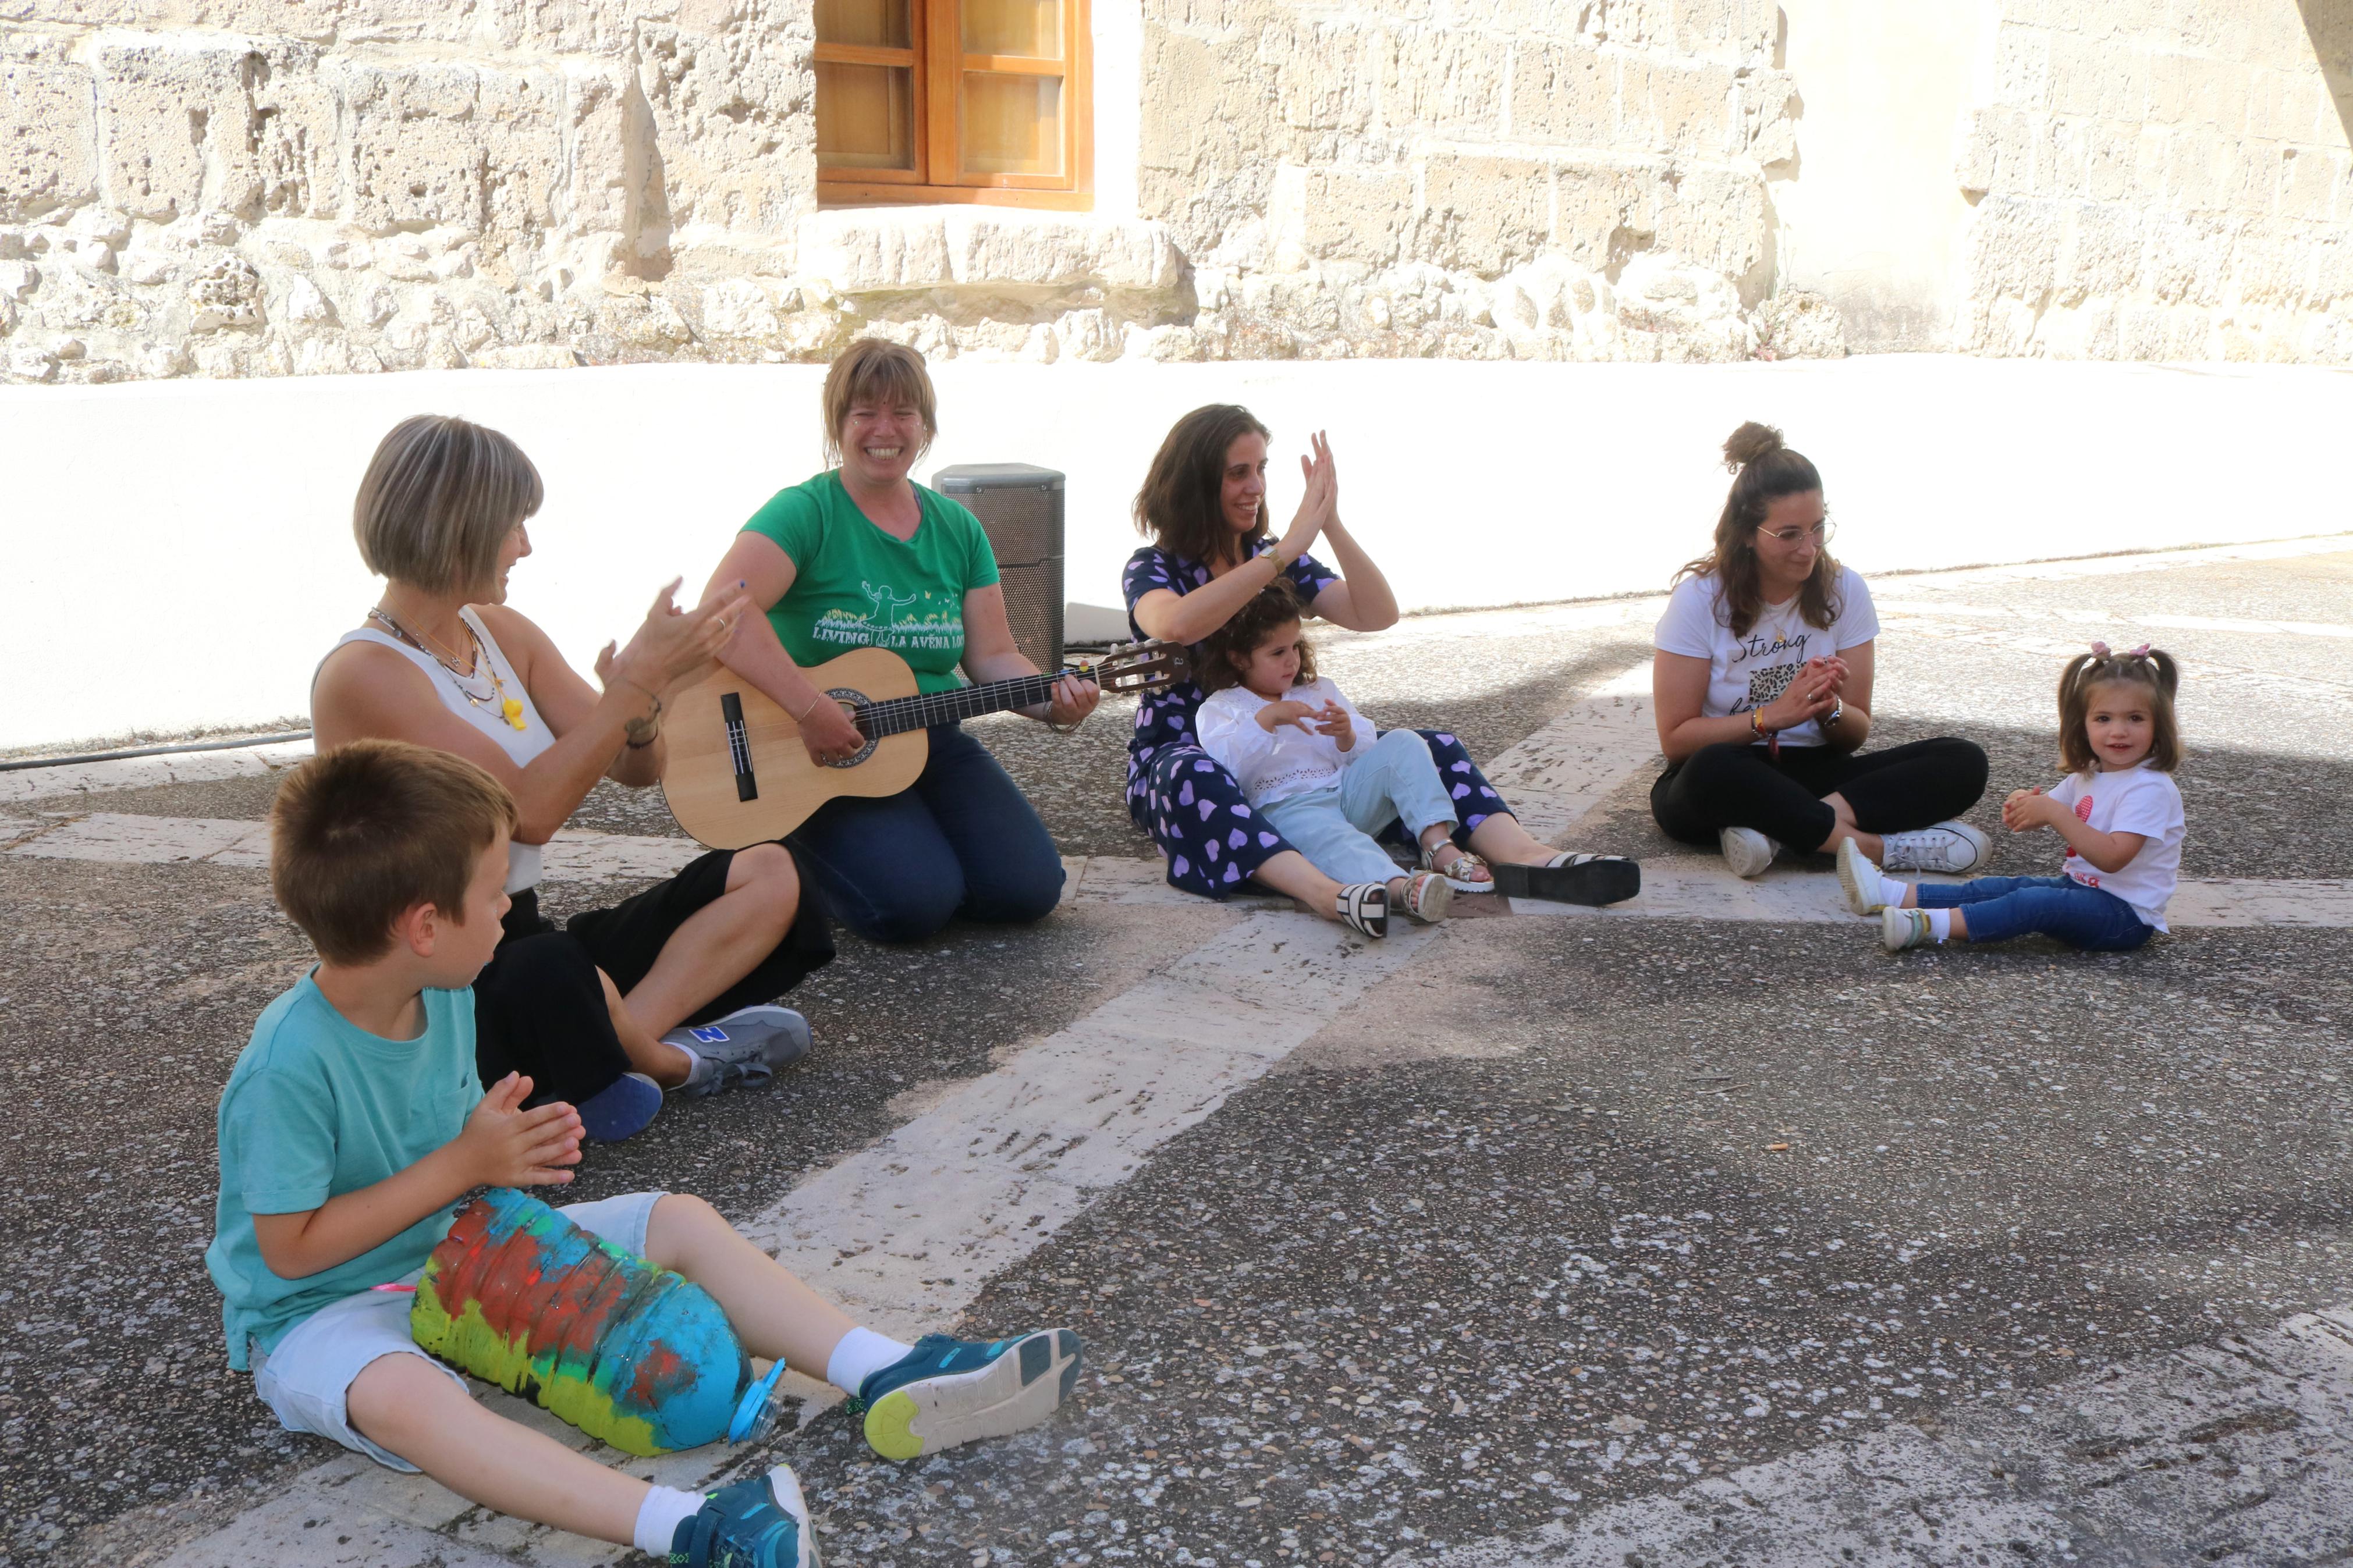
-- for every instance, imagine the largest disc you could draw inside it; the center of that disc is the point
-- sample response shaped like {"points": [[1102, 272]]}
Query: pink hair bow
{"points": [[2100, 648], [2140, 652]]}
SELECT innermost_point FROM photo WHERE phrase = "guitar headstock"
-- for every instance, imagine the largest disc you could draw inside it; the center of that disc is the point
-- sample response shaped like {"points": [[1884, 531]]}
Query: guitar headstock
{"points": [[1138, 668]]}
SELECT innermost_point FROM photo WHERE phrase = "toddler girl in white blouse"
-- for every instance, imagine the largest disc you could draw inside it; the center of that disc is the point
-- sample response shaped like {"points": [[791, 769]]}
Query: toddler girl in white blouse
{"points": [[1313, 767], [2117, 810]]}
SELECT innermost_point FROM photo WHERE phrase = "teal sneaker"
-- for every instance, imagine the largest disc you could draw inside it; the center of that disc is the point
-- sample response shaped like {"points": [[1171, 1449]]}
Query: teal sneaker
{"points": [[949, 1391], [1900, 929], [750, 1524]]}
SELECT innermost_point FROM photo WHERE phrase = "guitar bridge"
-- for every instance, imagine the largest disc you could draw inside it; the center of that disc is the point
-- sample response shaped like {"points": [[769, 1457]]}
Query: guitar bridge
{"points": [[739, 746]]}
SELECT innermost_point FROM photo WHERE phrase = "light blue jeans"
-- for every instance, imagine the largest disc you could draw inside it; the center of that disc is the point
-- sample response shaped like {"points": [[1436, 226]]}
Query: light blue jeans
{"points": [[1333, 825]]}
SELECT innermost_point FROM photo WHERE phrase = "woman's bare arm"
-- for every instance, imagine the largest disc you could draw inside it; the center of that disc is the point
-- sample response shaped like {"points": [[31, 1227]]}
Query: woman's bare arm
{"points": [[990, 654], [1189, 617]]}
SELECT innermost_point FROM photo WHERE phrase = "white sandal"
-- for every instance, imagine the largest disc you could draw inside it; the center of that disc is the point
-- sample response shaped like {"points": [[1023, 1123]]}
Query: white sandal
{"points": [[1463, 860], [1426, 896], [1363, 908]]}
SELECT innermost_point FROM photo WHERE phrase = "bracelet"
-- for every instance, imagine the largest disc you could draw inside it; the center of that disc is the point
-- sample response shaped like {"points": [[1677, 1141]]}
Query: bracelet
{"points": [[1756, 723], [643, 733], [802, 717], [1060, 729]]}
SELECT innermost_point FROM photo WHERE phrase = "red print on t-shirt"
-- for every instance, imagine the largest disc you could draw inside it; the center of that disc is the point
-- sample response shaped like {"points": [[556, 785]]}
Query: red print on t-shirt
{"points": [[2084, 815]]}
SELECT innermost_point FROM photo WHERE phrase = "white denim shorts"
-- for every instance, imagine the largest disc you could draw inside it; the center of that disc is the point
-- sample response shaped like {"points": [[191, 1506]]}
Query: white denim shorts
{"points": [[308, 1378]]}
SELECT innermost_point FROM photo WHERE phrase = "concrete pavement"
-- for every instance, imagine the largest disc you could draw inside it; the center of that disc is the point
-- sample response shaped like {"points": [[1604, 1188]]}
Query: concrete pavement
{"points": [[1474, 1248]]}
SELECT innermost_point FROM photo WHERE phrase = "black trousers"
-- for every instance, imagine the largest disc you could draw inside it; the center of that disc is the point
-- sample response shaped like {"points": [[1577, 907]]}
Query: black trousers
{"points": [[539, 1008], [1732, 785]]}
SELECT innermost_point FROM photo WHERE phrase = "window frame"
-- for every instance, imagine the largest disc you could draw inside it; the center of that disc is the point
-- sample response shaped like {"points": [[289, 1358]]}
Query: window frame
{"points": [[936, 35]]}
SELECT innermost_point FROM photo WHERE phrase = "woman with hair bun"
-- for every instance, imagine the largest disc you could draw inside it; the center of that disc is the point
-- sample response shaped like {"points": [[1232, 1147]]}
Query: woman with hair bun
{"points": [[1762, 681]]}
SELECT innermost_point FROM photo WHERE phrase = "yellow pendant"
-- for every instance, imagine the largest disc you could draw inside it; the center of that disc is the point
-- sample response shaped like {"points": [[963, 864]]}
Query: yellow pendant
{"points": [[513, 709]]}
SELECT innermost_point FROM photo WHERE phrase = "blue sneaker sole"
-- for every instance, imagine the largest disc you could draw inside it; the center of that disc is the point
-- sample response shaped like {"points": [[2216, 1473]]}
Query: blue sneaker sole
{"points": [[623, 1109]]}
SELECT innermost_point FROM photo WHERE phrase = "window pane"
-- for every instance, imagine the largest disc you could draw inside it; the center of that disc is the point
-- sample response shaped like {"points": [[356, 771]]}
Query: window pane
{"points": [[1031, 28], [865, 116], [1012, 124], [880, 23]]}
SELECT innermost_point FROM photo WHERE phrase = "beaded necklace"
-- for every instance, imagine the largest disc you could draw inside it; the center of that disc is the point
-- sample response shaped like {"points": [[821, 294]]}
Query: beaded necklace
{"points": [[496, 700]]}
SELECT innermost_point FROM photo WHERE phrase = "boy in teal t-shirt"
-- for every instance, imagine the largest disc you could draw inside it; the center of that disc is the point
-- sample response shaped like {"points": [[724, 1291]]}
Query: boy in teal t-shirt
{"points": [[856, 586], [352, 1125]]}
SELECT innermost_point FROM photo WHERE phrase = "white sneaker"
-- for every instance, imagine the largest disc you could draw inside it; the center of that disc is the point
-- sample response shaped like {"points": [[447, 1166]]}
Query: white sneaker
{"points": [[1747, 851], [1859, 878], [1948, 847]]}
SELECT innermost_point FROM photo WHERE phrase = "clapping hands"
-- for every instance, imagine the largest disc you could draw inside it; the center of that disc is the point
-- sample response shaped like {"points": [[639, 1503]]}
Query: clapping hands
{"points": [[1307, 718]]}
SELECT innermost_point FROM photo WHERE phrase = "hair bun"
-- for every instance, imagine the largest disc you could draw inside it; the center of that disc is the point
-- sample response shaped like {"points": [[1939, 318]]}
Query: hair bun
{"points": [[1748, 442]]}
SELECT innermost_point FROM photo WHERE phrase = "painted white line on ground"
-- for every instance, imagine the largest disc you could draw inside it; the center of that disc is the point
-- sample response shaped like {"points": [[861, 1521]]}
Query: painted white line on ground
{"points": [[144, 773], [1557, 775], [2242, 1449], [128, 840], [1955, 610]]}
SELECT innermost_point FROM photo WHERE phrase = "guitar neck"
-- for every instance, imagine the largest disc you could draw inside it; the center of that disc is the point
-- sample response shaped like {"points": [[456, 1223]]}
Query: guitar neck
{"points": [[903, 713]]}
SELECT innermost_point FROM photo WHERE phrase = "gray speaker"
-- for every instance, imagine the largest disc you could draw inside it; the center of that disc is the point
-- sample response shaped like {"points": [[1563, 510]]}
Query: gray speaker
{"points": [[1020, 509]]}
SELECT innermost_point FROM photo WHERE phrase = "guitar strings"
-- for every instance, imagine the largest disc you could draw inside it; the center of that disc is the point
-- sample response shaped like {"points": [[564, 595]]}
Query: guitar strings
{"points": [[926, 708]]}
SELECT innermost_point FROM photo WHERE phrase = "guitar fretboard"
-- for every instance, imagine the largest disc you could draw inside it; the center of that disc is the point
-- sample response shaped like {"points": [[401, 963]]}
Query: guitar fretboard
{"points": [[900, 714]]}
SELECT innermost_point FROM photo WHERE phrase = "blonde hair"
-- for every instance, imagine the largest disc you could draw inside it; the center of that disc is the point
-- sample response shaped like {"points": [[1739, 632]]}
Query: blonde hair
{"points": [[439, 497], [879, 371], [2150, 669], [363, 834]]}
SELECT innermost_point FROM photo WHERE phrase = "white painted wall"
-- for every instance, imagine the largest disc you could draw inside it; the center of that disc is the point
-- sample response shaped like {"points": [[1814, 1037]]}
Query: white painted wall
{"points": [[1874, 218], [182, 553]]}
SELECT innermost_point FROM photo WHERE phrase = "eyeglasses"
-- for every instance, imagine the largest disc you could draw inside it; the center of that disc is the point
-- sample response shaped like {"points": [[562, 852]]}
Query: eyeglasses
{"points": [[1820, 533]]}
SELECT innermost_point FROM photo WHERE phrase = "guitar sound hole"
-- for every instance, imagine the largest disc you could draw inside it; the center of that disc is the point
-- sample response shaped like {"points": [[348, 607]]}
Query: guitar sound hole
{"points": [[851, 697]]}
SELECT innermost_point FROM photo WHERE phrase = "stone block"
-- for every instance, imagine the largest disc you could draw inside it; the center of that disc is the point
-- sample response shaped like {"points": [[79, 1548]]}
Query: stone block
{"points": [[1448, 81], [2012, 249], [215, 124], [1606, 213], [2187, 259], [2199, 161], [1329, 76], [2189, 89], [1357, 214], [2271, 263], [1673, 108], [1714, 218], [2110, 150], [1562, 93], [448, 144], [1730, 32], [1997, 152], [2022, 65], [2095, 76], [874, 250], [2103, 254], [2307, 180], [49, 137], [1482, 215]]}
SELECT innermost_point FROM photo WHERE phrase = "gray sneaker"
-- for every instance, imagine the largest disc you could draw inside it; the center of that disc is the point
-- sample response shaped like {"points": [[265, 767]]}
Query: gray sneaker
{"points": [[1948, 847], [1747, 851], [748, 1047]]}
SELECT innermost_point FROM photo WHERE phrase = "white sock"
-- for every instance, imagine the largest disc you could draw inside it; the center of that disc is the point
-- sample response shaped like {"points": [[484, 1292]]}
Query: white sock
{"points": [[693, 1065], [1891, 892], [658, 1517], [1940, 923], [861, 1353]]}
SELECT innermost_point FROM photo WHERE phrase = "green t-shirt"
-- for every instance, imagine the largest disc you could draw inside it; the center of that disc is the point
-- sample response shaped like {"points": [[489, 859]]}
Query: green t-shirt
{"points": [[856, 586], [316, 1107]]}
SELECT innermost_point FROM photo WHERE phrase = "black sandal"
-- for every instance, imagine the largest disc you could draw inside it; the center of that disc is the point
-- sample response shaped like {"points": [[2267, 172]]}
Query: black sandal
{"points": [[1590, 880], [1363, 908]]}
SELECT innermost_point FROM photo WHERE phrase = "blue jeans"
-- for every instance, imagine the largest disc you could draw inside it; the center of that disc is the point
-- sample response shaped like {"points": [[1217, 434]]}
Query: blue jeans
{"points": [[2003, 906], [960, 840], [1333, 824]]}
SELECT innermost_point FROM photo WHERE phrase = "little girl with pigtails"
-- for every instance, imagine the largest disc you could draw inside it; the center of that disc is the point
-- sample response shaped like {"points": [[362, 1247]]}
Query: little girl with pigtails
{"points": [[2117, 810]]}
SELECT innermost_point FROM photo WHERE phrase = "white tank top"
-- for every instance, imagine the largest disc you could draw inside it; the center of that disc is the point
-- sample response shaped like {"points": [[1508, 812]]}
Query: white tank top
{"points": [[520, 745]]}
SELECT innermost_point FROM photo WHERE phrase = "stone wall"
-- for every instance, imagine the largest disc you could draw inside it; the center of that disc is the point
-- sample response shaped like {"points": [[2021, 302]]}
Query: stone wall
{"points": [[257, 187], [1550, 179], [2161, 179]]}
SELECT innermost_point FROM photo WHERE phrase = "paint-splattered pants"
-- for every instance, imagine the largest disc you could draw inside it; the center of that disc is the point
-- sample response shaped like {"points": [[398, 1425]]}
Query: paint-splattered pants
{"points": [[1214, 842]]}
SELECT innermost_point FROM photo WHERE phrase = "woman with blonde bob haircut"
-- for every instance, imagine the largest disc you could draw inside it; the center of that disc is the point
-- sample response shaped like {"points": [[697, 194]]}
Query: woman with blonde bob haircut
{"points": [[863, 556], [668, 989]]}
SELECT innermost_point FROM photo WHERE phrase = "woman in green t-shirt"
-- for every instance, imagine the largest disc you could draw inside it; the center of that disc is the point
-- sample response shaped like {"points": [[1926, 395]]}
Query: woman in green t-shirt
{"points": [[861, 556]]}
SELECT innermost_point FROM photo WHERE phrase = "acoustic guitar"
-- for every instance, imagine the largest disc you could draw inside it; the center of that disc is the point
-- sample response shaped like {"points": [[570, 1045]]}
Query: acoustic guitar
{"points": [[739, 775]]}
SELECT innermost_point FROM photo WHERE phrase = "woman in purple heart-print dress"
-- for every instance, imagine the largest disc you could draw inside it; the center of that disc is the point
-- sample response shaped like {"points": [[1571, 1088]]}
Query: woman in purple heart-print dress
{"points": [[1203, 506]]}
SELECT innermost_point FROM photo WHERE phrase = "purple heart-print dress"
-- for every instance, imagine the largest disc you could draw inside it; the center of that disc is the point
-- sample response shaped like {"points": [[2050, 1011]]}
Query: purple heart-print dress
{"points": [[1194, 810]]}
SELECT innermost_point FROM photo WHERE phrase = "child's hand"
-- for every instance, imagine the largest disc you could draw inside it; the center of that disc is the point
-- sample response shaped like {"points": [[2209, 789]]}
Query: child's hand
{"points": [[1333, 720], [1295, 714], [504, 1145], [2024, 810]]}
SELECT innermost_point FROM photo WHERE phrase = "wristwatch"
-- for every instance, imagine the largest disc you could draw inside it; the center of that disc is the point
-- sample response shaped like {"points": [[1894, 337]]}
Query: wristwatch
{"points": [[1838, 711]]}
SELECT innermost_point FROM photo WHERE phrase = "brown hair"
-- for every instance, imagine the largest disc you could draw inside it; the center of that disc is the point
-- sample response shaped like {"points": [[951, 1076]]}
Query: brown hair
{"points": [[1765, 469], [439, 497], [876, 370], [2150, 669], [363, 834], [1226, 649], [1179, 508]]}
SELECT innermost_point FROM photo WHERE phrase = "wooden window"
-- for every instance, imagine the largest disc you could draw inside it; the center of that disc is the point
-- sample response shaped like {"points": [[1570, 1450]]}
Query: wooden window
{"points": [[953, 100]]}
